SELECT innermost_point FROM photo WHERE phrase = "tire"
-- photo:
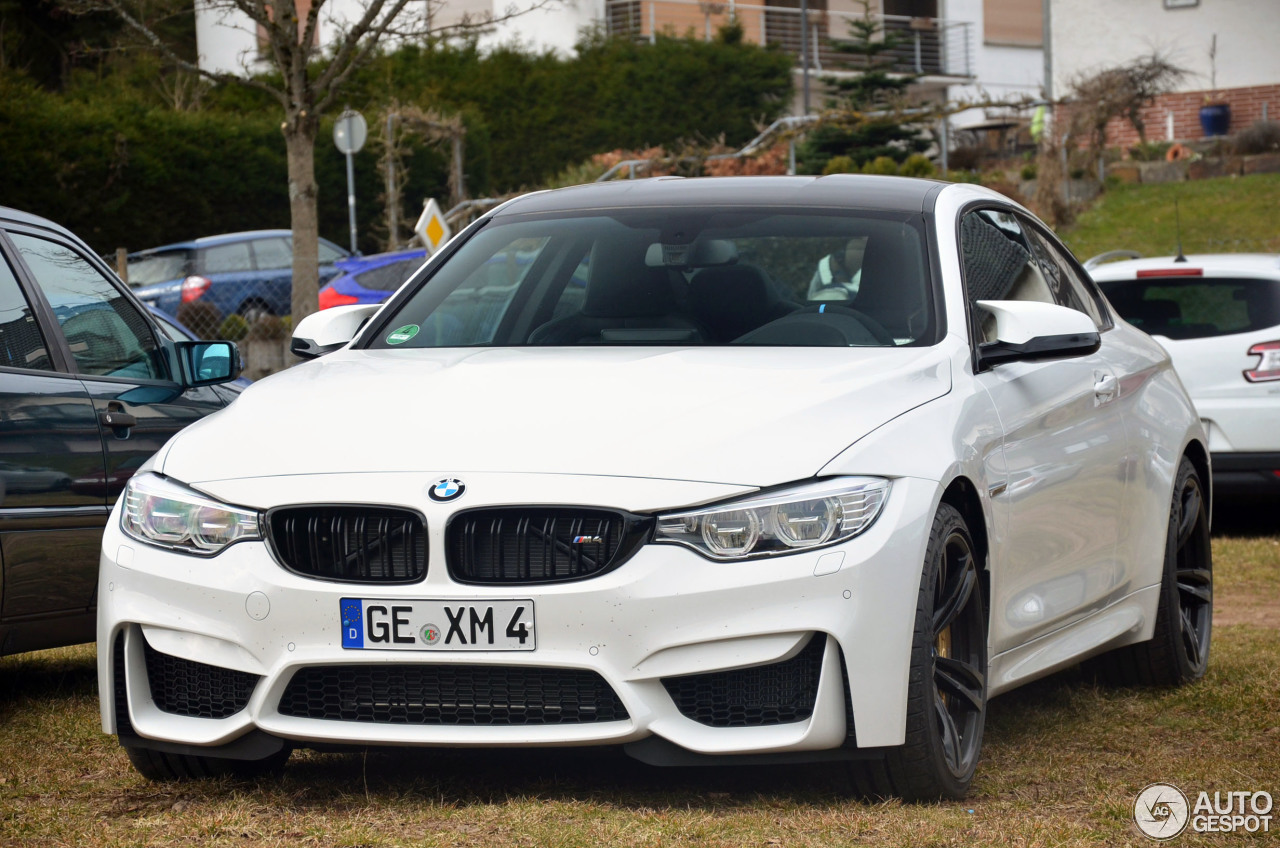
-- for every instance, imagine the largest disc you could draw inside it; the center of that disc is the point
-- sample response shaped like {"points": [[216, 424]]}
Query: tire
{"points": [[1178, 652], [164, 767], [946, 698]]}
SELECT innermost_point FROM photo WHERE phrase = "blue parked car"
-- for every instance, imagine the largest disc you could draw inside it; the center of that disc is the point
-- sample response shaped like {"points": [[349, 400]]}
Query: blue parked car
{"points": [[246, 273], [370, 279]]}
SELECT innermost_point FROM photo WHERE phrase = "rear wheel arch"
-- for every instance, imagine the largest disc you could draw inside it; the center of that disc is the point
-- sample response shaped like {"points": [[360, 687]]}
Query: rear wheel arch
{"points": [[1199, 456]]}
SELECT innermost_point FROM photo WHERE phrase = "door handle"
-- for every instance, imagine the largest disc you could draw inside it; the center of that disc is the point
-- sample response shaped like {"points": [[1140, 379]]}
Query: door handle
{"points": [[1105, 389], [116, 418]]}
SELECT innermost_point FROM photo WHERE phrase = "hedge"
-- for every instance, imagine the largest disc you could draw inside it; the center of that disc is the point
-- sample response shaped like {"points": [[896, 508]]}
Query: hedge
{"points": [[122, 171]]}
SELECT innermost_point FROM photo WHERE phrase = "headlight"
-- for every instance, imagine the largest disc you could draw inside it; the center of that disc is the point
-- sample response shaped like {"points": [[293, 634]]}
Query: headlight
{"points": [[809, 516], [161, 512]]}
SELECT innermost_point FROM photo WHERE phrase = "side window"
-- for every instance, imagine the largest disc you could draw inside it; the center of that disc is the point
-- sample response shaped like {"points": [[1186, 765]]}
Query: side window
{"points": [[1067, 288], [226, 258], [21, 343], [998, 265], [272, 253], [107, 335], [329, 254]]}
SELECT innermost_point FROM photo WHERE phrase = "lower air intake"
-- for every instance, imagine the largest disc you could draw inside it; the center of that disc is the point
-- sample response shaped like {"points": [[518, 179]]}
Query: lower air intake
{"points": [[187, 688], [765, 695], [451, 695]]}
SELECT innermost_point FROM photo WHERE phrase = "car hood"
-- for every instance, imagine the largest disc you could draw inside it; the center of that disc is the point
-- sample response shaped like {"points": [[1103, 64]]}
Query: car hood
{"points": [[752, 416]]}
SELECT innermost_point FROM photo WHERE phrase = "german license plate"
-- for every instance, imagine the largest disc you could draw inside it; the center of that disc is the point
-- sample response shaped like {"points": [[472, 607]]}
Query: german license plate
{"points": [[425, 625]]}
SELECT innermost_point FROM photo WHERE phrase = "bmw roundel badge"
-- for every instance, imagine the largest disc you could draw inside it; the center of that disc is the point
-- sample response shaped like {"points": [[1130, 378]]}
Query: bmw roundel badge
{"points": [[448, 489]]}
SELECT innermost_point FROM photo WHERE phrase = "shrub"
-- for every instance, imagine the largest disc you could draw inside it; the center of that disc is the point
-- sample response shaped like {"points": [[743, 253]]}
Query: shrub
{"points": [[840, 165], [1028, 171], [233, 328], [881, 165], [267, 328], [1262, 137], [966, 158], [201, 318], [1150, 151], [917, 165]]}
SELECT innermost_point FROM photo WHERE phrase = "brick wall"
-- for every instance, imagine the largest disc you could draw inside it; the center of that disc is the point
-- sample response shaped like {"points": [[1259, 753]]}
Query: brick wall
{"points": [[1246, 108]]}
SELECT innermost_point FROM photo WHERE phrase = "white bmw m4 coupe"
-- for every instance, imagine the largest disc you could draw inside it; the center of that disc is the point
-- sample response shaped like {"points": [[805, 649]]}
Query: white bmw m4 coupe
{"points": [[617, 466]]}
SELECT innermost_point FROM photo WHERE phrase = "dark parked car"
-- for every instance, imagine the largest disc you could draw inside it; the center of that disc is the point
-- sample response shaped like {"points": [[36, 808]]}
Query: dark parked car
{"points": [[370, 279], [90, 387], [180, 332], [244, 273]]}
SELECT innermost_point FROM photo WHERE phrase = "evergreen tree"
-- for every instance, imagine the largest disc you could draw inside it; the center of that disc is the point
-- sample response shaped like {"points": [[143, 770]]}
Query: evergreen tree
{"points": [[869, 122]]}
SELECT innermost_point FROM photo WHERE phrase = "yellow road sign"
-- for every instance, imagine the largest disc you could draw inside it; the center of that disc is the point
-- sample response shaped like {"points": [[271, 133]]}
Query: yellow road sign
{"points": [[431, 226]]}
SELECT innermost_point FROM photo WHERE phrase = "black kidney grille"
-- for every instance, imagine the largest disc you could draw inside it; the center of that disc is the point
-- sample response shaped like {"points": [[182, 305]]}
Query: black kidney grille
{"points": [[353, 544], [779, 693], [187, 688], [451, 695], [540, 544]]}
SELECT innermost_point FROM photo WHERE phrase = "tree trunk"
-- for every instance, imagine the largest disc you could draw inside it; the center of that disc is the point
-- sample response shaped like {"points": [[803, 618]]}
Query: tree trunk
{"points": [[300, 146]]}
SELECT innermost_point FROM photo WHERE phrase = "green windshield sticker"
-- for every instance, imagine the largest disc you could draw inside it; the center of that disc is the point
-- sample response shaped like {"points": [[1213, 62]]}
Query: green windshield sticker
{"points": [[403, 334]]}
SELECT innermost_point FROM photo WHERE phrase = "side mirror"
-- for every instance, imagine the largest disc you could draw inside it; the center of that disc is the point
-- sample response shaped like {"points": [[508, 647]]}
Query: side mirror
{"points": [[208, 363], [329, 329], [1029, 330]]}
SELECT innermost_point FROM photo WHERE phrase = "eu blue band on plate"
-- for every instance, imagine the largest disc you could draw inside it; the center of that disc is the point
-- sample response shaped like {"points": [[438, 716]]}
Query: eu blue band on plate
{"points": [[352, 623]]}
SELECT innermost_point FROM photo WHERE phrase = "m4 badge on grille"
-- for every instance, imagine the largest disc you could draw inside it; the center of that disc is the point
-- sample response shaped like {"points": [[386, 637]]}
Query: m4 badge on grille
{"points": [[588, 540]]}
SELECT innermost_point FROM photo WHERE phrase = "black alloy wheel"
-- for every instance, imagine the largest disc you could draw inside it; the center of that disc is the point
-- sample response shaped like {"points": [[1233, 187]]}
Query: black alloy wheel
{"points": [[946, 690], [959, 656], [1193, 572]]}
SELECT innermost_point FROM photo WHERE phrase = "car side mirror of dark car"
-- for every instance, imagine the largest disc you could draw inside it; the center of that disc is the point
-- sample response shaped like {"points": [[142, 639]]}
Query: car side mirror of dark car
{"points": [[208, 363], [1030, 330]]}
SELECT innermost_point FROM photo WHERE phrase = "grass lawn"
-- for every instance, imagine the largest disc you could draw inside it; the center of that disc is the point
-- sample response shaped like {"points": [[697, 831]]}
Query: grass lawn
{"points": [[1063, 761], [1228, 215]]}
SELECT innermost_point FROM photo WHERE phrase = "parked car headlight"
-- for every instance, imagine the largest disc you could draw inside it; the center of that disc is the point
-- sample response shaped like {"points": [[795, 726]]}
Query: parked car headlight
{"points": [[809, 516], [163, 513]]}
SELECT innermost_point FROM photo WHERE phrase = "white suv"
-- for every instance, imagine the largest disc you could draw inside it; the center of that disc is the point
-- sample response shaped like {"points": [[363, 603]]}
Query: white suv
{"points": [[1218, 315]]}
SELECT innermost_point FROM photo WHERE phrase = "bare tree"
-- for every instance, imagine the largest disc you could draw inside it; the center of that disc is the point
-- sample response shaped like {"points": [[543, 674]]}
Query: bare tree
{"points": [[311, 79], [1122, 91]]}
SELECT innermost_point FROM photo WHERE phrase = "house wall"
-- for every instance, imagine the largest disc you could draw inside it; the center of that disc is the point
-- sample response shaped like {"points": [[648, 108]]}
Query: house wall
{"points": [[555, 29], [1003, 72], [1089, 35], [1248, 104], [226, 39]]}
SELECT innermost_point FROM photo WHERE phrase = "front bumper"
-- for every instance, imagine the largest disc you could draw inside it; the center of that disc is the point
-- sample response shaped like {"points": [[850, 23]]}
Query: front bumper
{"points": [[666, 614]]}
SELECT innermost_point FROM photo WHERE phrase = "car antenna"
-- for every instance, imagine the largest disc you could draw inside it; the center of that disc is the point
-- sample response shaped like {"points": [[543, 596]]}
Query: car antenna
{"points": [[1181, 257]]}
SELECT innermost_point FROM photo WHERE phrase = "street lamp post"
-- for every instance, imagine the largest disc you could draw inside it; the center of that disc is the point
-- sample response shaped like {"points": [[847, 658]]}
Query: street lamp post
{"points": [[349, 133], [804, 50]]}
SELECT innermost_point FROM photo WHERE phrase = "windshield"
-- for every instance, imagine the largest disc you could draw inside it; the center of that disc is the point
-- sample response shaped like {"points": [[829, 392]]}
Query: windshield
{"points": [[1196, 307], [677, 277]]}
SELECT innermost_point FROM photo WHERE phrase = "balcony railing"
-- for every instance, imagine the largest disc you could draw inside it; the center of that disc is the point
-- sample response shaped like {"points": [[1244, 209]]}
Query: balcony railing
{"points": [[925, 46]]}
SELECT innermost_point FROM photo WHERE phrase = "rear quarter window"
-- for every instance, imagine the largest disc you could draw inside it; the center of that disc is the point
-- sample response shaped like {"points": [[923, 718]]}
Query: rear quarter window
{"points": [[159, 268], [1196, 307]]}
